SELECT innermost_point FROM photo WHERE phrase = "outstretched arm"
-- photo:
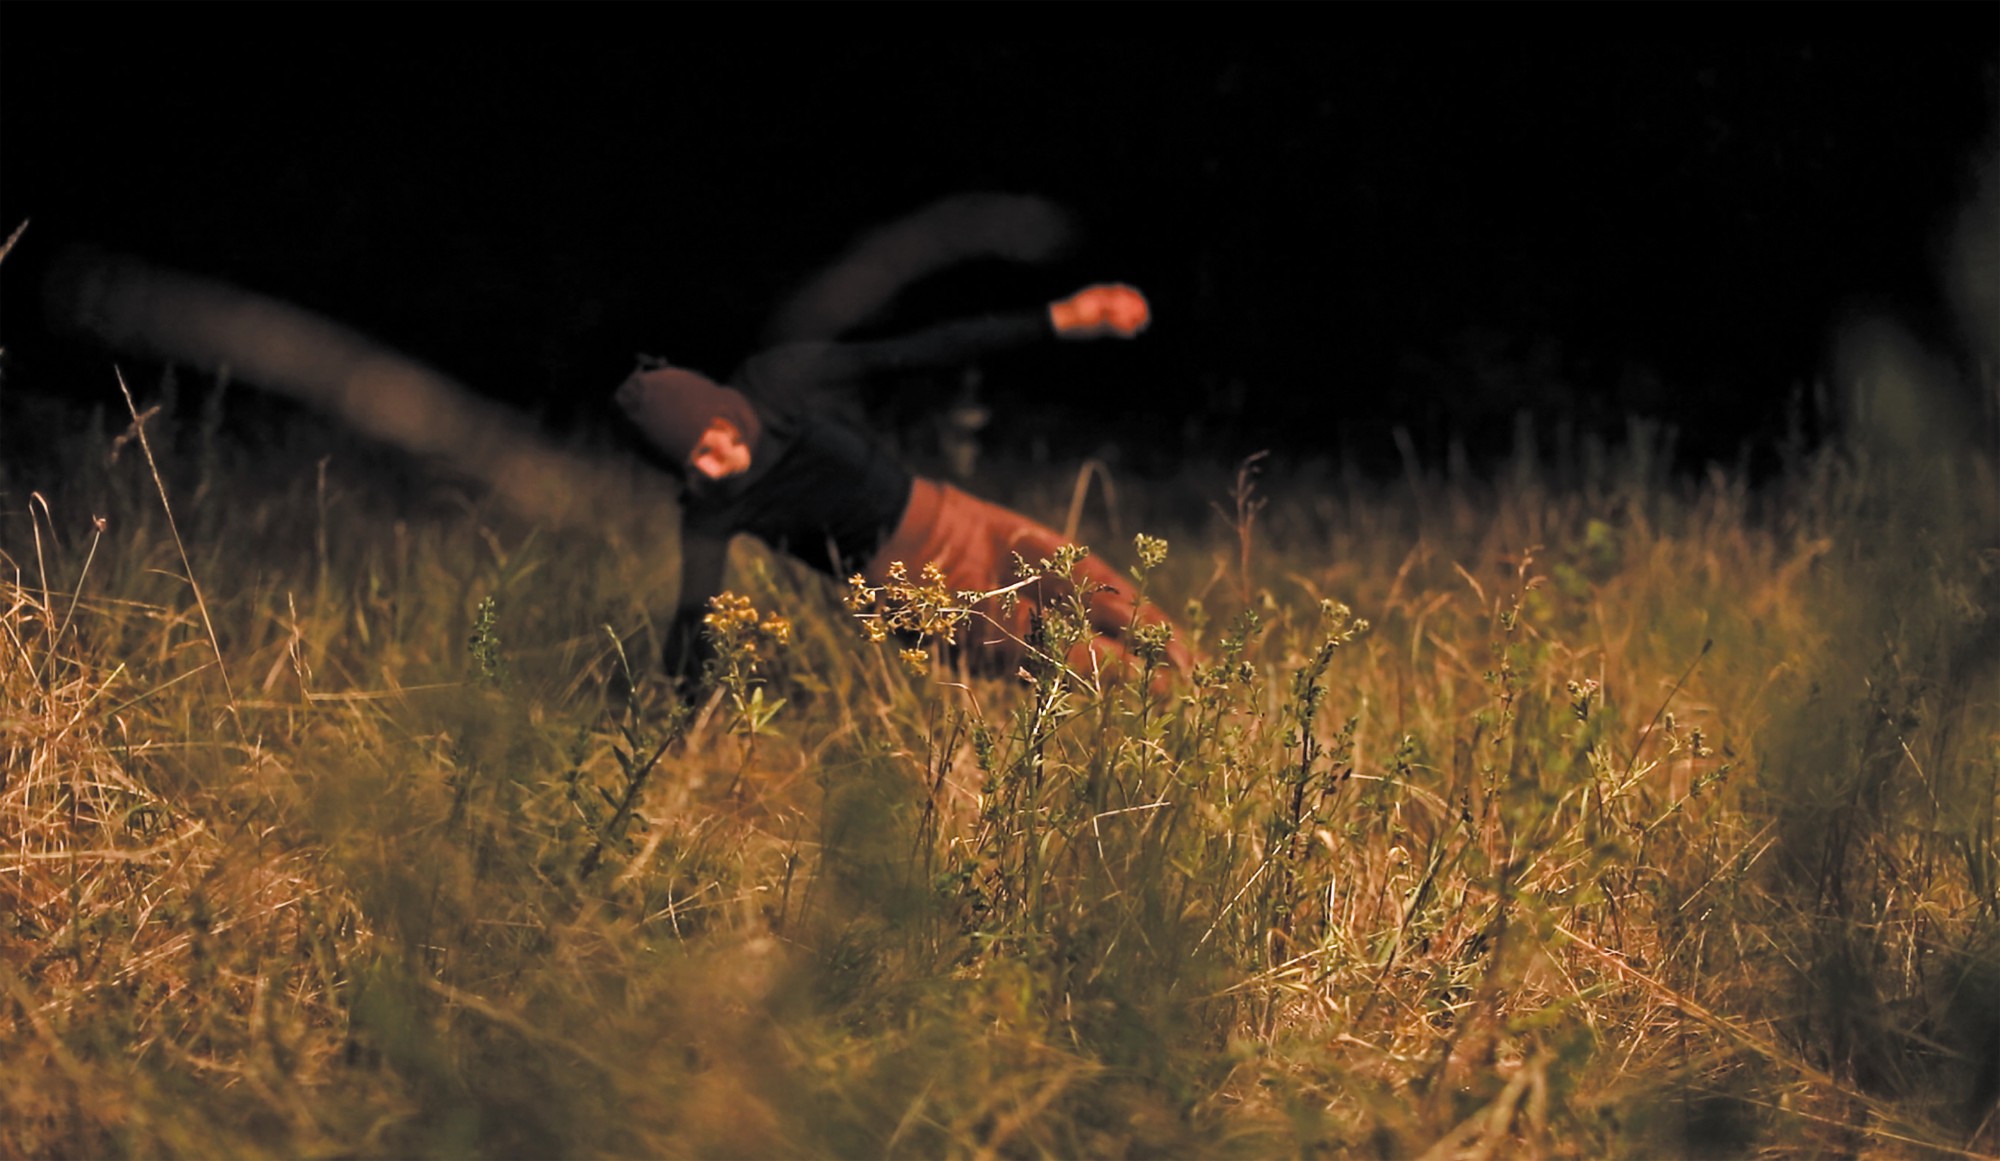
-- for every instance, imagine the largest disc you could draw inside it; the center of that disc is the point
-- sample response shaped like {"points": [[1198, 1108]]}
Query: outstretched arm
{"points": [[687, 650], [1106, 310]]}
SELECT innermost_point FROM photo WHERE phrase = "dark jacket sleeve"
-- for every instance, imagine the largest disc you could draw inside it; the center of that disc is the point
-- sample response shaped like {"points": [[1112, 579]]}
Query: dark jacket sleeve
{"points": [[788, 374], [703, 556]]}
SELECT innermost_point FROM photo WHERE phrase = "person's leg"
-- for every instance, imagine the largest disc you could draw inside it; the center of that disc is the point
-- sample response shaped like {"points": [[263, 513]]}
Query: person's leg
{"points": [[975, 542], [964, 537], [1109, 601]]}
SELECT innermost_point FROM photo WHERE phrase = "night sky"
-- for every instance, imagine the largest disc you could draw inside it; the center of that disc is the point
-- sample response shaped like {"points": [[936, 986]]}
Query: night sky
{"points": [[1337, 237]]}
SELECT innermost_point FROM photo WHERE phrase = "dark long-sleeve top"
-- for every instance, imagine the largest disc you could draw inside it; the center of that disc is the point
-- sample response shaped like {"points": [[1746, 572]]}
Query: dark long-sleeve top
{"points": [[817, 488]]}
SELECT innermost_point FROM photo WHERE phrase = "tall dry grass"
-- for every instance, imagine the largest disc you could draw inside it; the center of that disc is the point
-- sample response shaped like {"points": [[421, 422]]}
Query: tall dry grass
{"points": [[1632, 816]]}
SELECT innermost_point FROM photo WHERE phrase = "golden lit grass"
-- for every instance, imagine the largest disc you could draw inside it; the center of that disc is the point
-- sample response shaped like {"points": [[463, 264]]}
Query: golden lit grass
{"points": [[1640, 817]]}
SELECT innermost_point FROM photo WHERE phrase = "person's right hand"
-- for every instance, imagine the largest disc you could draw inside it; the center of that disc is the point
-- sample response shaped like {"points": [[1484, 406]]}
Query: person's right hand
{"points": [[1106, 309]]}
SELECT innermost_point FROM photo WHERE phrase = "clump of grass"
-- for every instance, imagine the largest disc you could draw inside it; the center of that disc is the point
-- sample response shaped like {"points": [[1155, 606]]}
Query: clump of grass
{"points": [[1624, 816], [157, 944]]}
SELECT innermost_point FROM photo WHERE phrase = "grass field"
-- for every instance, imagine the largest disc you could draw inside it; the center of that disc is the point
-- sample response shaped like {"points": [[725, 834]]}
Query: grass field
{"points": [[1585, 810]]}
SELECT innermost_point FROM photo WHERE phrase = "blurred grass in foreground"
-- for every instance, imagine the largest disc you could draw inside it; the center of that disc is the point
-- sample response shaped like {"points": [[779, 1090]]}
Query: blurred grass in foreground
{"points": [[1639, 817]]}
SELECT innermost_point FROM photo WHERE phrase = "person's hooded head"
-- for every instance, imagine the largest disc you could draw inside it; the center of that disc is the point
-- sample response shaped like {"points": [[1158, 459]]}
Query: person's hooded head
{"points": [[708, 430]]}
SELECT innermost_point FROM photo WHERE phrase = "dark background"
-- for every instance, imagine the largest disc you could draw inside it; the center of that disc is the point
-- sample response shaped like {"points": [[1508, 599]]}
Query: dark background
{"points": [[1338, 238]]}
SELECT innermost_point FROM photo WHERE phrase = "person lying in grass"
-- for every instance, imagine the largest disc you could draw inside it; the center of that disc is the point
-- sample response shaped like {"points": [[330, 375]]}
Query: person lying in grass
{"points": [[757, 458]]}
